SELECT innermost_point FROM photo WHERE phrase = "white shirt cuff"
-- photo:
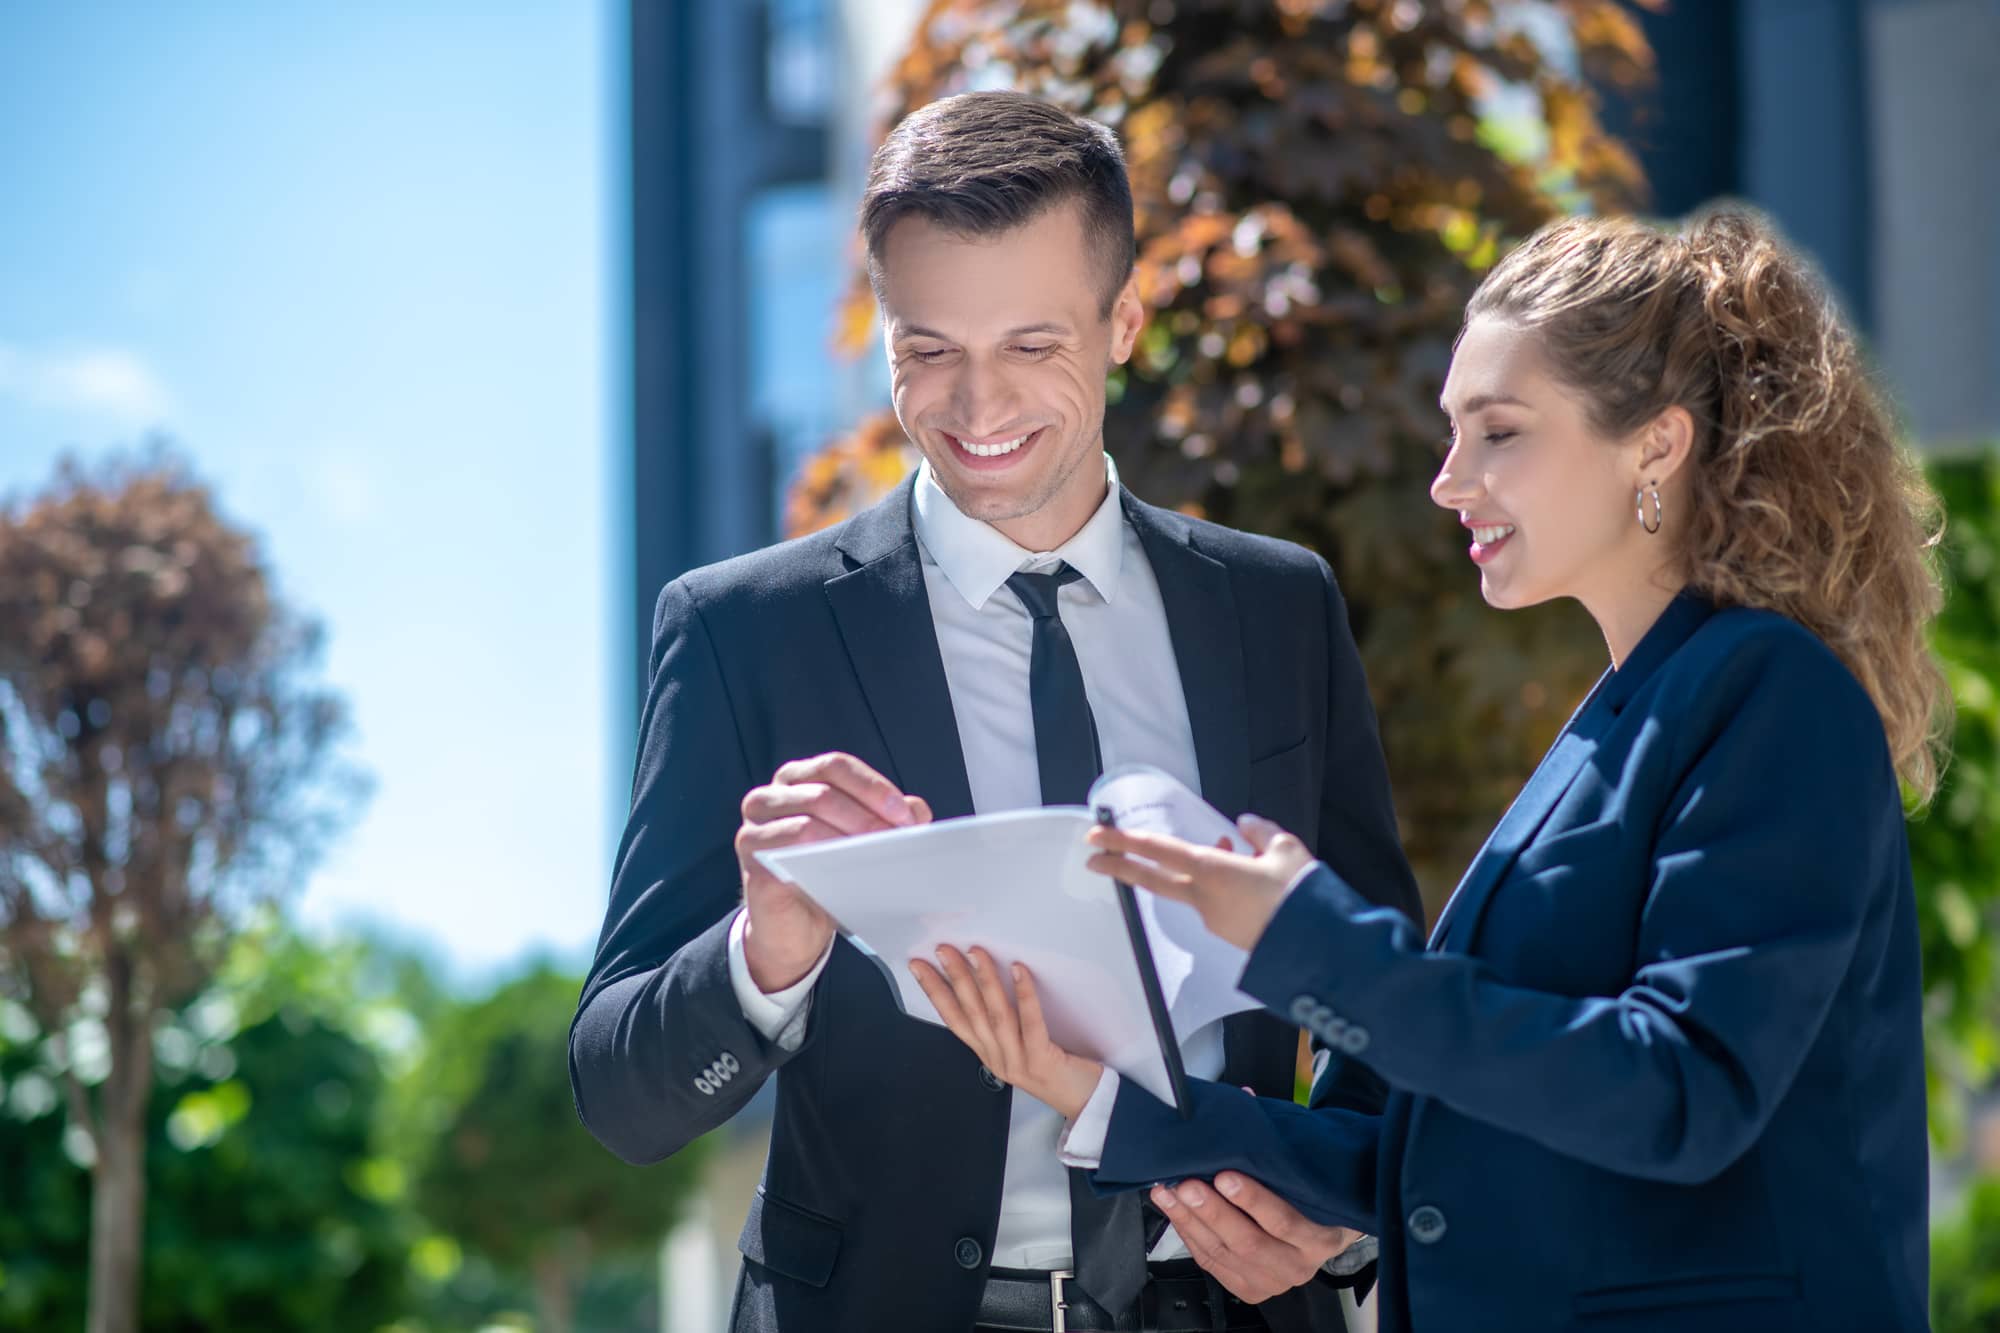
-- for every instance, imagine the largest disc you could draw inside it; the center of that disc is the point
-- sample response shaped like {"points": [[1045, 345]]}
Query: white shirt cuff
{"points": [[781, 1015], [1082, 1144]]}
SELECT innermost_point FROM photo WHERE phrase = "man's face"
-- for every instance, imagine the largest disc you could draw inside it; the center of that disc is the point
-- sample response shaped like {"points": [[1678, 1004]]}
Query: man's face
{"points": [[998, 351]]}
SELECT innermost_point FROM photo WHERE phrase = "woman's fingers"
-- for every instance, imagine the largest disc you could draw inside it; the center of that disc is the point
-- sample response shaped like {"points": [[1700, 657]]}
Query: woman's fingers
{"points": [[1204, 1246], [1162, 850], [1166, 883], [1257, 830]]}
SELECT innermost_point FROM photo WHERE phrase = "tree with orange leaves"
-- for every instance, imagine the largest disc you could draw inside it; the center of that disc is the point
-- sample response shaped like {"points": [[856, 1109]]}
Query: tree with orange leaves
{"points": [[1318, 186]]}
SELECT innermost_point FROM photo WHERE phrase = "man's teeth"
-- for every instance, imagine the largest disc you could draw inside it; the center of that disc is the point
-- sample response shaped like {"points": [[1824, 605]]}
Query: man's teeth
{"points": [[1487, 536], [994, 450]]}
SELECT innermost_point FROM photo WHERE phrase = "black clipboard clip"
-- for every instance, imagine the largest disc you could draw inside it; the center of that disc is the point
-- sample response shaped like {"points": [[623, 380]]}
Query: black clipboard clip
{"points": [[1149, 980]]}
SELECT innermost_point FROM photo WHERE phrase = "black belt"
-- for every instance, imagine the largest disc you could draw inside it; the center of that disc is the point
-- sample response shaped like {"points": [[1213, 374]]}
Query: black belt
{"points": [[1177, 1298]]}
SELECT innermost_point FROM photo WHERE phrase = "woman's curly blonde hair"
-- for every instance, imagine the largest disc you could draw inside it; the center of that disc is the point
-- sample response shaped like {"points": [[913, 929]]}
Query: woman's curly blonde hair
{"points": [[1802, 499]]}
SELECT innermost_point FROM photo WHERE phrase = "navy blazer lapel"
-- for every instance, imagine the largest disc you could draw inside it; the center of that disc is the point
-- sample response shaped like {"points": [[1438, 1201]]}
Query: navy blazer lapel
{"points": [[1208, 650], [1459, 921], [884, 614]]}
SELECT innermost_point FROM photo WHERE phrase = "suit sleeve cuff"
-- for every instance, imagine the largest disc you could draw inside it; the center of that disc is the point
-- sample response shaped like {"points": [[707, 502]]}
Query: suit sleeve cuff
{"points": [[1082, 1144], [780, 1016]]}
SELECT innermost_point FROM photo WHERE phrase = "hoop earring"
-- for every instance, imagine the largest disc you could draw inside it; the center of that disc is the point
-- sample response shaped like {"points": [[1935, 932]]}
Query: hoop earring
{"points": [[1654, 492]]}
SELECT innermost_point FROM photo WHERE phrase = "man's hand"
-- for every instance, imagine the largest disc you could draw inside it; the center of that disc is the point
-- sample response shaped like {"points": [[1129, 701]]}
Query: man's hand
{"points": [[808, 800], [1009, 1037], [1249, 1239]]}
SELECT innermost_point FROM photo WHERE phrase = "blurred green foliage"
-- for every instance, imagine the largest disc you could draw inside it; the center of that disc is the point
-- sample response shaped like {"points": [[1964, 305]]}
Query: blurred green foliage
{"points": [[510, 1172], [1955, 844], [1965, 1265], [311, 1163], [266, 1211]]}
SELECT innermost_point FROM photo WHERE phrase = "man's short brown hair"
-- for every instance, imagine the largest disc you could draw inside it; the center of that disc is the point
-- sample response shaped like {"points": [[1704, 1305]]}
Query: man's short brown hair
{"points": [[980, 164]]}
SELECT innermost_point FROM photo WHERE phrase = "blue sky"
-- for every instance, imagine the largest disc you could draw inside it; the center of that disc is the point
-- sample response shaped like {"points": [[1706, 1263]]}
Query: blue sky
{"points": [[358, 260]]}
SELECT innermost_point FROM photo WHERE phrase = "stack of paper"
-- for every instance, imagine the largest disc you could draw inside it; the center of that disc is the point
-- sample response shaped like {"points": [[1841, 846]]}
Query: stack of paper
{"points": [[1015, 885]]}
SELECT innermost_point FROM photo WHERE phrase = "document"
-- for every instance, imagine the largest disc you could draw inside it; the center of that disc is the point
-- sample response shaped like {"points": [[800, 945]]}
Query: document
{"points": [[1015, 884]]}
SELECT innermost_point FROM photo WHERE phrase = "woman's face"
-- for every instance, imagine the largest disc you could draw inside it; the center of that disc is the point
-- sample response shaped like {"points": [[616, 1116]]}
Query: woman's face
{"points": [[1546, 499]]}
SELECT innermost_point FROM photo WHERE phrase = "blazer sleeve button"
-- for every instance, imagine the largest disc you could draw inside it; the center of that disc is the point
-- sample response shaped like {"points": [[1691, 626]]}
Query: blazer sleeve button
{"points": [[1427, 1225], [967, 1252], [991, 1080]]}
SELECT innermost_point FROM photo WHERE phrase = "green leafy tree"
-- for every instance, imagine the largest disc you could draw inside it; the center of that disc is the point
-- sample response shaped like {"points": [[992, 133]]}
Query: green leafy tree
{"points": [[166, 758], [268, 1208], [1318, 186], [512, 1175], [1955, 844], [1965, 1265]]}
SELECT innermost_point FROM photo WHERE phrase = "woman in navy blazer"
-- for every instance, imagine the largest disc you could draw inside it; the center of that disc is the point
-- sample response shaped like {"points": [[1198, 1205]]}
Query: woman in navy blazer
{"points": [[1660, 1064]]}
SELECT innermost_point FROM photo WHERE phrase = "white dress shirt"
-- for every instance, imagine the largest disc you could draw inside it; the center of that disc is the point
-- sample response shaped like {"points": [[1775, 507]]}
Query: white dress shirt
{"points": [[1118, 625]]}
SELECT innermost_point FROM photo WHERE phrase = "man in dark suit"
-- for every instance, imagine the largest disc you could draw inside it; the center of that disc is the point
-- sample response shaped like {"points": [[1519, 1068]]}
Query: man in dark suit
{"points": [[1006, 621]]}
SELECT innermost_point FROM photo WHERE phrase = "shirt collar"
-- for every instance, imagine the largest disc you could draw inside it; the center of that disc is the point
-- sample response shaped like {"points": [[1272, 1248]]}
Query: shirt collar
{"points": [[977, 558]]}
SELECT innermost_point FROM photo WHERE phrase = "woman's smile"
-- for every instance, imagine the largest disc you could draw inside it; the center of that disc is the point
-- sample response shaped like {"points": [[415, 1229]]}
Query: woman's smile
{"points": [[1487, 539]]}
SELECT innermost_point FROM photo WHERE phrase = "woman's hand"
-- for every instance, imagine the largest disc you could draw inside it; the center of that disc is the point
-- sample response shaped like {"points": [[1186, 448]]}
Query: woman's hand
{"points": [[1249, 1239], [1013, 1043], [1235, 894]]}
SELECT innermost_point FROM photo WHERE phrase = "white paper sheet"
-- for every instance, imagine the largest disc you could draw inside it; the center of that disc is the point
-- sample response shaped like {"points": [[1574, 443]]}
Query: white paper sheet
{"points": [[1015, 884]]}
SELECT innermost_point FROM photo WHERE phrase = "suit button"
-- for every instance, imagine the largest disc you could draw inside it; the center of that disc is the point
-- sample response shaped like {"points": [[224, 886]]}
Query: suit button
{"points": [[1427, 1225], [967, 1252], [1354, 1041], [991, 1080]]}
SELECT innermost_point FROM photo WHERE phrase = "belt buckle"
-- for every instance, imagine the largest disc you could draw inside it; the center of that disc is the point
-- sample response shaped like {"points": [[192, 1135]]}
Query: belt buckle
{"points": [[1057, 1305]]}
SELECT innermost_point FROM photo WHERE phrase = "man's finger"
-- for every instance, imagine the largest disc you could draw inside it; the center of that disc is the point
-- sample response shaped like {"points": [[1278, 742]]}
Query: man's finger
{"points": [[1034, 1028], [794, 831], [965, 989], [855, 778], [945, 1002], [821, 800], [1000, 1011]]}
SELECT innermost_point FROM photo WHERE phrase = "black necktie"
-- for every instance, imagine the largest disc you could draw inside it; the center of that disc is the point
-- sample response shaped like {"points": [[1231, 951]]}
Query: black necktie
{"points": [[1106, 1234]]}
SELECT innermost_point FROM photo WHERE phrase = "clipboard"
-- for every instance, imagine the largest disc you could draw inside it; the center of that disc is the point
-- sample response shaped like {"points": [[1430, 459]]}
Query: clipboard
{"points": [[1149, 979], [1017, 884]]}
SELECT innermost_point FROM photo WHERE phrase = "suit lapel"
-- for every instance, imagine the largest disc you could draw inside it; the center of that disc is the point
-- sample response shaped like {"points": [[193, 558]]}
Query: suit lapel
{"points": [[1458, 924], [1208, 650], [1459, 921], [1207, 636], [884, 614]]}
